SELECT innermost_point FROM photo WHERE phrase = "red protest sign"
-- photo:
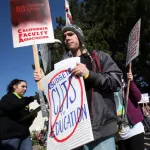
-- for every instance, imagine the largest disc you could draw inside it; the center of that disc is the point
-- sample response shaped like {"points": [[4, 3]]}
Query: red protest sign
{"points": [[31, 22]]}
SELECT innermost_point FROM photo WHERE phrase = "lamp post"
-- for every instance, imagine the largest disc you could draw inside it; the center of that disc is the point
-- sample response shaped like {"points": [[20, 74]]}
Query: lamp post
{"points": [[51, 47], [45, 53], [55, 45]]}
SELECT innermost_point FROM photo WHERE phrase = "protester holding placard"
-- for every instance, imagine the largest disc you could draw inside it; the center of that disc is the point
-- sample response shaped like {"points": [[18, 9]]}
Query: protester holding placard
{"points": [[99, 88], [131, 133], [14, 133]]}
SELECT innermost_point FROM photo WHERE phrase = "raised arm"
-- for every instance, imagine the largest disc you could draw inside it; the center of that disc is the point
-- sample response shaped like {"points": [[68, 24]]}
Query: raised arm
{"points": [[10, 103], [134, 92]]}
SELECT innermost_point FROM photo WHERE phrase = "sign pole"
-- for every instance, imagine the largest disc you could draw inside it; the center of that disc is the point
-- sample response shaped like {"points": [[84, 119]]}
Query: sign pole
{"points": [[41, 97], [128, 86], [36, 63]]}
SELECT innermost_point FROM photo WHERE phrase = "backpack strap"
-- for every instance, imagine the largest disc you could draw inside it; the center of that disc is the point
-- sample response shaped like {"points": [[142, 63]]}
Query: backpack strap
{"points": [[95, 57]]}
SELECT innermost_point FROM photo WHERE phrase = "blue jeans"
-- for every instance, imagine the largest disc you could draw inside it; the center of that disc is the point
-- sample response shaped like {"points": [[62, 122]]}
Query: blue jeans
{"points": [[16, 144], [107, 143]]}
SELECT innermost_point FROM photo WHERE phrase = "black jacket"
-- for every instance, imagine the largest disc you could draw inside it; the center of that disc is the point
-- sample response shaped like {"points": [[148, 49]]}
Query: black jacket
{"points": [[12, 109]]}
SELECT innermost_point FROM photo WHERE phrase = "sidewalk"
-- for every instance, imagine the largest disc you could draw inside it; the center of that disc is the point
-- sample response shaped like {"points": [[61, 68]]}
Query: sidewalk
{"points": [[36, 147]]}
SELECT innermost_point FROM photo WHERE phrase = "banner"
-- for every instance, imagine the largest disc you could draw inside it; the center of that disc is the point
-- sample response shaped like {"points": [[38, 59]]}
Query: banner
{"points": [[144, 98], [133, 43], [31, 22], [69, 122]]}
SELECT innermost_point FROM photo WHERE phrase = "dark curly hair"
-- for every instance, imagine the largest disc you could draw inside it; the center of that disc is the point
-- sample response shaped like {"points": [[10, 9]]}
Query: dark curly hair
{"points": [[12, 83]]}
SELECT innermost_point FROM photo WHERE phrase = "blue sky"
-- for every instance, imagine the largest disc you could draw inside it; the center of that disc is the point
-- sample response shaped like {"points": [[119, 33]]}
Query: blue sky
{"points": [[17, 62]]}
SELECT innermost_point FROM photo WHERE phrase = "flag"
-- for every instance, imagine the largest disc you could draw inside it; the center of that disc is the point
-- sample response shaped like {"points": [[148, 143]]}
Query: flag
{"points": [[68, 13]]}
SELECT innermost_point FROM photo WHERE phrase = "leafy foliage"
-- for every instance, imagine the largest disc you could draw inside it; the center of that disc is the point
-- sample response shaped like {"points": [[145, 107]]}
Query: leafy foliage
{"points": [[106, 25]]}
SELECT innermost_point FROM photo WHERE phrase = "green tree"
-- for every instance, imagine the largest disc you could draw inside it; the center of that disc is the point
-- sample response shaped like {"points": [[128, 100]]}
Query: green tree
{"points": [[107, 24]]}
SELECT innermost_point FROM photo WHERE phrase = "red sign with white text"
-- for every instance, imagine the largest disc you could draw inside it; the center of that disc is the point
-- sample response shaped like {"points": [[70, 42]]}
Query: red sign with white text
{"points": [[31, 22]]}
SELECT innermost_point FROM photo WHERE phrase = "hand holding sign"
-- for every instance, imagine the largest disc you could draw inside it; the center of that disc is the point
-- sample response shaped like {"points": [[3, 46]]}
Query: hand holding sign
{"points": [[36, 63], [38, 74], [69, 115], [80, 70], [133, 50], [130, 76], [128, 86]]}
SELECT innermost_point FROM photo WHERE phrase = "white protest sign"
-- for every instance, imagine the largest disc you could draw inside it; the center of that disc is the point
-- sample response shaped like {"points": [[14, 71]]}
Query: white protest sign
{"points": [[67, 61], [144, 99], [69, 122], [31, 22], [133, 43]]}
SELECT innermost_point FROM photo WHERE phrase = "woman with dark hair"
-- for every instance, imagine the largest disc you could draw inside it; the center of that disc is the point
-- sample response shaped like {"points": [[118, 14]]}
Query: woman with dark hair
{"points": [[14, 133]]}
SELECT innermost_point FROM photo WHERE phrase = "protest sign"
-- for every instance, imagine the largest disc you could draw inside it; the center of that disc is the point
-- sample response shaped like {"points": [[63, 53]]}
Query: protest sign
{"points": [[144, 99], [31, 22], [133, 43], [69, 122], [132, 51], [66, 62]]}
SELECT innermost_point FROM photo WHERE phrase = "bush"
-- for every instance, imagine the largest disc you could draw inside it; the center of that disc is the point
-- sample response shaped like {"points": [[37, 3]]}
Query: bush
{"points": [[34, 142]]}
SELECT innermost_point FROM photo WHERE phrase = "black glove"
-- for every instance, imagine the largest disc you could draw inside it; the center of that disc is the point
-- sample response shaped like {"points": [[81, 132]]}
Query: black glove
{"points": [[36, 97]]}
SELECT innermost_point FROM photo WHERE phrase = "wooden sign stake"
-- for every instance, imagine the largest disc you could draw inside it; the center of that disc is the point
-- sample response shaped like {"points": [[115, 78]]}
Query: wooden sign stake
{"points": [[128, 86], [36, 63]]}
